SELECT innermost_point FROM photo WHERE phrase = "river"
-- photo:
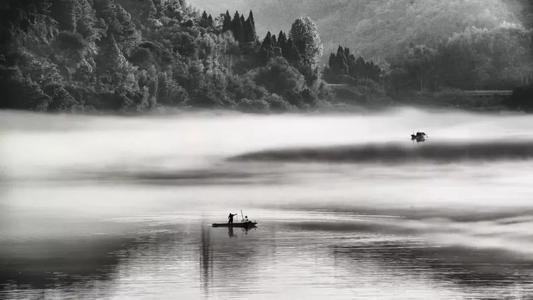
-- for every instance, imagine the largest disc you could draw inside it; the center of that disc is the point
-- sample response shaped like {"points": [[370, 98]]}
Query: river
{"points": [[120, 207]]}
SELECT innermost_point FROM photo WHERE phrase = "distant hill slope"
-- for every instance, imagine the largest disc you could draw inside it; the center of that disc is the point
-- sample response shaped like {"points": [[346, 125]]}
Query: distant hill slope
{"points": [[380, 28]]}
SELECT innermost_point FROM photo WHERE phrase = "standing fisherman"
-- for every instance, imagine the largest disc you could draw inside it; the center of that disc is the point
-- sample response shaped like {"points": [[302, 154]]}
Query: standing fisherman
{"points": [[230, 218]]}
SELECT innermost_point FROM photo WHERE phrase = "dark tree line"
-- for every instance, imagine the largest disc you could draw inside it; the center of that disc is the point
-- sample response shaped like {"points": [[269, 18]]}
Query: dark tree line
{"points": [[206, 20], [243, 29], [343, 66], [280, 46], [522, 98], [475, 59]]}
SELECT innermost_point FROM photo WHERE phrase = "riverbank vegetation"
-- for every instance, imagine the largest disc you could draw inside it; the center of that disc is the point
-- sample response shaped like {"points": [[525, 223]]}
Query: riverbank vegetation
{"points": [[139, 55], [126, 55], [474, 60]]}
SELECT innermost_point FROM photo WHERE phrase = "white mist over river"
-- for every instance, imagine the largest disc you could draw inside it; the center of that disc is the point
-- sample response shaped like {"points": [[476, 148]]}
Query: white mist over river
{"points": [[120, 207]]}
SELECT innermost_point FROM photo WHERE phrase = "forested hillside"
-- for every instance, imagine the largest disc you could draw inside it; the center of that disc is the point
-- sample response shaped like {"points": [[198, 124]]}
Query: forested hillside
{"points": [[420, 45], [135, 55], [383, 28]]}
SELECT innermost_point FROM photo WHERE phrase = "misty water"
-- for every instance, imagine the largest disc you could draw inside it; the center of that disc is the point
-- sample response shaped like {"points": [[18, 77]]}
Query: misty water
{"points": [[121, 207]]}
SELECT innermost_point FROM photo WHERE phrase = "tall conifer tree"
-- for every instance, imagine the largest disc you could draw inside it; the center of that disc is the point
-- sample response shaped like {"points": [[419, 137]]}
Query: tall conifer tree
{"points": [[226, 23], [237, 27]]}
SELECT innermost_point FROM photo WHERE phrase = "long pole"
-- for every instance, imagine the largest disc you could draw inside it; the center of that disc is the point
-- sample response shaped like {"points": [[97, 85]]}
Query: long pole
{"points": [[242, 216]]}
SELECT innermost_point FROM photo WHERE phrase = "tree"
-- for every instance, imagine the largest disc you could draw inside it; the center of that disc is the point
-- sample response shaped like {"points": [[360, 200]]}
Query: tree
{"points": [[420, 64], [206, 21], [279, 77], [267, 42], [226, 23], [292, 54], [274, 41], [344, 67], [341, 65], [267, 47], [304, 34], [249, 29], [282, 42], [237, 27], [251, 19]]}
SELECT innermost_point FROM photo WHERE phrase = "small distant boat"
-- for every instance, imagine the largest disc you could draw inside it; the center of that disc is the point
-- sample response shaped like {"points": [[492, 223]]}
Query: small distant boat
{"points": [[419, 137], [248, 224]]}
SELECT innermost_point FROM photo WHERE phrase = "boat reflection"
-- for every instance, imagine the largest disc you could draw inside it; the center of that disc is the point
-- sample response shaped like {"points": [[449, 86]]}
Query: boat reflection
{"points": [[227, 260]]}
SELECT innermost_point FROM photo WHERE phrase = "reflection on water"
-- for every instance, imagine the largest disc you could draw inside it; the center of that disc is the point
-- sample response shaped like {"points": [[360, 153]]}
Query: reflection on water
{"points": [[277, 259], [90, 210]]}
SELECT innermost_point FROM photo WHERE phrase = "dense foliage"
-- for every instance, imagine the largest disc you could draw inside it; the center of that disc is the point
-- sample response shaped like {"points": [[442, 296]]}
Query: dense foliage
{"points": [[384, 28], [475, 59], [134, 55], [344, 67], [522, 98], [424, 46], [499, 58]]}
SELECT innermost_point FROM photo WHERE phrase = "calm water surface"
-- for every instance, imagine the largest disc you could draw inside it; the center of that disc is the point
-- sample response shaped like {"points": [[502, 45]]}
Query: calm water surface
{"points": [[120, 207]]}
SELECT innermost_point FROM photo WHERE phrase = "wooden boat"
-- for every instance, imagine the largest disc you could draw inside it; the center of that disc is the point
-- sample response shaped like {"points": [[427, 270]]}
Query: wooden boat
{"points": [[249, 224], [419, 137]]}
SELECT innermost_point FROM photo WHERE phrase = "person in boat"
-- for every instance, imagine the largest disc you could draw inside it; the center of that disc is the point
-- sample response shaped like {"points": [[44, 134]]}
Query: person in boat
{"points": [[419, 137], [230, 218], [245, 220]]}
